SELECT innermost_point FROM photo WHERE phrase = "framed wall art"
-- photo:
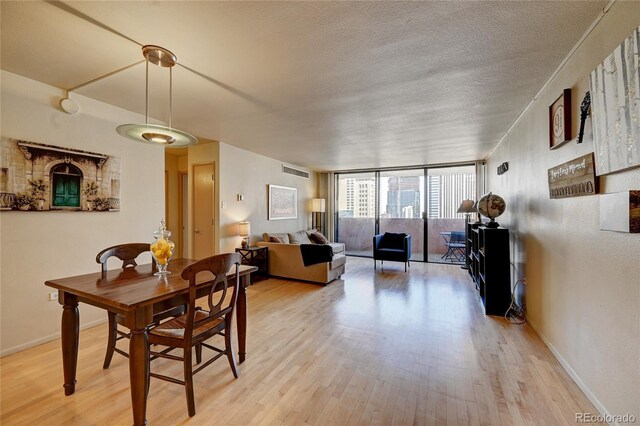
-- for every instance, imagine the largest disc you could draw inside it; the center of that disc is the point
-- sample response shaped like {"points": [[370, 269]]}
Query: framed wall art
{"points": [[615, 108], [560, 120], [283, 202], [36, 176]]}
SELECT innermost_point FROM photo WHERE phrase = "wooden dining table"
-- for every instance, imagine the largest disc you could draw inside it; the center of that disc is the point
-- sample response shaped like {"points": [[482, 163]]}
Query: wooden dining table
{"points": [[136, 294]]}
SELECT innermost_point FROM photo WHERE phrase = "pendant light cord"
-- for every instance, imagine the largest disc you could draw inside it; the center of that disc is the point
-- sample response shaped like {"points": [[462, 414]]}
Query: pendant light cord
{"points": [[146, 98], [170, 95]]}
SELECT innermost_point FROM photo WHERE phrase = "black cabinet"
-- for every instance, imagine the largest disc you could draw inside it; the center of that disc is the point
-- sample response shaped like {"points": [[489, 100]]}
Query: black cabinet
{"points": [[490, 267]]}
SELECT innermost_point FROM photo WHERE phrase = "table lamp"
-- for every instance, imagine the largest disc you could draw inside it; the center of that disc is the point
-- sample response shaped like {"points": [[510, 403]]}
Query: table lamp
{"points": [[244, 230]]}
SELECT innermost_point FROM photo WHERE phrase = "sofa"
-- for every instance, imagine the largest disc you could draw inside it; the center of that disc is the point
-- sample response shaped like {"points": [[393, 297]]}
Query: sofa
{"points": [[285, 258]]}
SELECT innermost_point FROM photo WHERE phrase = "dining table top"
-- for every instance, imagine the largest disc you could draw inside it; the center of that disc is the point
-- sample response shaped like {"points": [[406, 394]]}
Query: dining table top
{"points": [[134, 287]]}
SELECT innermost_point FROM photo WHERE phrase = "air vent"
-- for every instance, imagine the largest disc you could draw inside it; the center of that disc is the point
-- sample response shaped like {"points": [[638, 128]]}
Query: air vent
{"points": [[296, 172]]}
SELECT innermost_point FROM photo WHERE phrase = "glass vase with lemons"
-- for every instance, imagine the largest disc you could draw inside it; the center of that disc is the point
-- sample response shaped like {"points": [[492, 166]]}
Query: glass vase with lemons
{"points": [[162, 249]]}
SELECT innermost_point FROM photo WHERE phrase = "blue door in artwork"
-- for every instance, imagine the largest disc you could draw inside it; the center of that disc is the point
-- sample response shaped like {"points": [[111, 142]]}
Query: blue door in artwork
{"points": [[66, 185]]}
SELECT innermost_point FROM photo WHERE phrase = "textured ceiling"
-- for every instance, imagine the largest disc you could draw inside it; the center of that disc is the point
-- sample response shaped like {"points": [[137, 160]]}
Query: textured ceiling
{"points": [[325, 85]]}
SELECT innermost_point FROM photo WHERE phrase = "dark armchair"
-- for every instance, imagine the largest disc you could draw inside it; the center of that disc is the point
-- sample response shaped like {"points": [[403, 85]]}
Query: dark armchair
{"points": [[392, 247]]}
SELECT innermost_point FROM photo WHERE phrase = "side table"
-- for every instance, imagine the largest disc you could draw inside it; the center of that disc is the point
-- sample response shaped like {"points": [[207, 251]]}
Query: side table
{"points": [[256, 256]]}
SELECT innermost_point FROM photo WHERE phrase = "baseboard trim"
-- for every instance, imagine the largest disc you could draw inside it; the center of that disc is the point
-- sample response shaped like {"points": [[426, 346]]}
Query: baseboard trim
{"points": [[46, 339], [576, 378]]}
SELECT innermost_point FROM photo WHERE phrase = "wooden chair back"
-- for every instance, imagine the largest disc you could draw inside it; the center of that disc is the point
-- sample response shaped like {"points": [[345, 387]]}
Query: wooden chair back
{"points": [[127, 253], [218, 266]]}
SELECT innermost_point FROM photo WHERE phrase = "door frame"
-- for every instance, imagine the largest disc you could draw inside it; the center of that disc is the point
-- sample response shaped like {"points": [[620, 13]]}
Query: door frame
{"points": [[181, 199], [192, 210]]}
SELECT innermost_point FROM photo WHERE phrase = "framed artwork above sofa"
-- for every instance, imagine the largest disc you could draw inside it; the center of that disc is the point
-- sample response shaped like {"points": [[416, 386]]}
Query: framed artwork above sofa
{"points": [[283, 202]]}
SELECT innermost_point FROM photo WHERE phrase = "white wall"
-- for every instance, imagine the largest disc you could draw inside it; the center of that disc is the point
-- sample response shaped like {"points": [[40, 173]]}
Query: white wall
{"points": [[244, 172], [36, 246], [583, 284]]}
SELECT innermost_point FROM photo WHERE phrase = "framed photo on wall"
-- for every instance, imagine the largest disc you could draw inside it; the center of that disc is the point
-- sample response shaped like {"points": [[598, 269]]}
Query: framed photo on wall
{"points": [[283, 202], [560, 120]]}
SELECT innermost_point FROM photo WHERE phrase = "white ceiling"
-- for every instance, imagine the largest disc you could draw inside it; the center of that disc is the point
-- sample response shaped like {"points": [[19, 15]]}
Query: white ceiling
{"points": [[324, 85]]}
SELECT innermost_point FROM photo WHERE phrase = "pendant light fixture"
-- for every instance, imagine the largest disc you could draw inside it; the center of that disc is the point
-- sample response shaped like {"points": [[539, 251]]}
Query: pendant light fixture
{"points": [[153, 133]]}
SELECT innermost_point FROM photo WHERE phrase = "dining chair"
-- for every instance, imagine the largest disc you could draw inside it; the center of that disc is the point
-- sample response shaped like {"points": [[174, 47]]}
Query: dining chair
{"points": [[456, 247], [127, 253], [199, 325]]}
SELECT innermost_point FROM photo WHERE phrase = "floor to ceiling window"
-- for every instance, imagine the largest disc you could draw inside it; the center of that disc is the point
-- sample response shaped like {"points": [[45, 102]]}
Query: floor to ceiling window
{"points": [[446, 188], [401, 205], [422, 202], [357, 194]]}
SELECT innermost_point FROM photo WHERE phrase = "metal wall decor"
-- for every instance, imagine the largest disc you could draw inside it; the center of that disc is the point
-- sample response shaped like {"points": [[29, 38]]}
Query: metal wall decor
{"points": [[584, 112]]}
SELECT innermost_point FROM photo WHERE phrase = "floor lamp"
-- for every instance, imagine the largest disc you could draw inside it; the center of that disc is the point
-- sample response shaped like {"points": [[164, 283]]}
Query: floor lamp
{"points": [[466, 207], [317, 211]]}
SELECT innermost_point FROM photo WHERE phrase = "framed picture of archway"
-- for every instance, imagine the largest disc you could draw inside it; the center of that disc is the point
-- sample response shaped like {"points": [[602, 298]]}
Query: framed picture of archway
{"points": [[36, 176]]}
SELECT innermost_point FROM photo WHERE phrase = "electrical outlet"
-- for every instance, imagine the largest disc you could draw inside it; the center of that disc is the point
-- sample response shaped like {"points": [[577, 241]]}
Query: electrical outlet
{"points": [[53, 296]]}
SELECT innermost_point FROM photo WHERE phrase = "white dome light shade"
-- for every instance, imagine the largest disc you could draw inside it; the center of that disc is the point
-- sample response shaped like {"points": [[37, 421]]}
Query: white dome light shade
{"points": [[156, 135]]}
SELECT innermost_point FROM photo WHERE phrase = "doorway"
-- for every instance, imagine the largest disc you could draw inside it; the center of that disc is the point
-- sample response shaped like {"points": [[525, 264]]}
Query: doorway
{"points": [[203, 202]]}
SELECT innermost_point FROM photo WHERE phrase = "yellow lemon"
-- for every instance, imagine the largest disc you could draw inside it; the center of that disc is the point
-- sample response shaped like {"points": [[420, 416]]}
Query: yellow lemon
{"points": [[162, 260], [158, 253], [154, 247]]}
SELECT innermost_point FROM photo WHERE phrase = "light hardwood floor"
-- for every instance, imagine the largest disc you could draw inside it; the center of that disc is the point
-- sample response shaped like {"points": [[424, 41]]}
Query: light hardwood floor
{"points": [[372, 348]]}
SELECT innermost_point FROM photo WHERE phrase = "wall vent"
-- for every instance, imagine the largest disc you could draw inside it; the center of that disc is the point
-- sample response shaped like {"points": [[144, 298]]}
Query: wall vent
{"points": [[296, 172]]}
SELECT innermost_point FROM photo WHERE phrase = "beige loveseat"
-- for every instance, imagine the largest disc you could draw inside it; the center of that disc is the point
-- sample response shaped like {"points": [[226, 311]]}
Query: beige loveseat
{"points": [[285, 260]]}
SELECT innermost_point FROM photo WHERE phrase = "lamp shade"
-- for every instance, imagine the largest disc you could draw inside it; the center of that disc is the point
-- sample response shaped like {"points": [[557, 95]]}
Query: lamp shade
{"points": [[244, 228], [318, 205], [467, 206]]}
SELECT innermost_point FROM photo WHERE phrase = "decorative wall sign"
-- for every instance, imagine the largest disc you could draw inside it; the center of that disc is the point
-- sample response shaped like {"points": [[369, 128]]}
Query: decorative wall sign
{"points": [[620, 211], [36, 176], [574, 178], [560, 120], [283, 202], [615, 108]]}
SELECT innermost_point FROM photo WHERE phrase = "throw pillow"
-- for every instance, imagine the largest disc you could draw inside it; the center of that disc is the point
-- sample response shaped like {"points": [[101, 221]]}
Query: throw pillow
{"points": [[273, 239], [299, 237], [284, 237], [317, 238]]}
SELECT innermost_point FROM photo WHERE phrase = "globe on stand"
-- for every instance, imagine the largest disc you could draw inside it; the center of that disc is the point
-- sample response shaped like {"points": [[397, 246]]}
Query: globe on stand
{"points": [[491, 206]]}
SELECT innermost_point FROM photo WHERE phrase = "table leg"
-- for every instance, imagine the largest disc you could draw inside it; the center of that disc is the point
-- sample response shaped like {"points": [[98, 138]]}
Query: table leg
{"points": [[139, 374], [241, 316], [70, 331]]}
